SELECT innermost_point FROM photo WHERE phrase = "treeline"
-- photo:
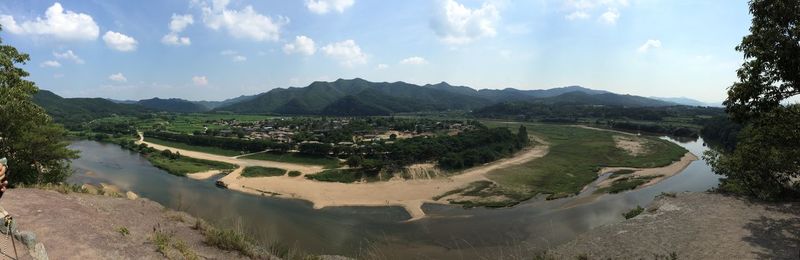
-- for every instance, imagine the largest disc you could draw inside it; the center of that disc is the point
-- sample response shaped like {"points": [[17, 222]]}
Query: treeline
{"points": [[572, 113], [722, 132], [656, 128], [221, 142]]}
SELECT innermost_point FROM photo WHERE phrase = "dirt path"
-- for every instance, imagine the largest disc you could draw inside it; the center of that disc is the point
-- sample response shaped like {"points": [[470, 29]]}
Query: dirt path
{"points": [[84, 226], [409, 194], [696, 226]]}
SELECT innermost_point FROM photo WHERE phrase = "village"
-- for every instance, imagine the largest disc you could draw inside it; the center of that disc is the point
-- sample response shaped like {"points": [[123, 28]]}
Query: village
{"points": [[338, 131]]}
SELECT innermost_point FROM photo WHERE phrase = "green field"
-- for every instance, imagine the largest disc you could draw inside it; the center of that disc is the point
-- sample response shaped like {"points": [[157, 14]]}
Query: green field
{"points": [[326, 162], [205, 149], [575, 156], [257, 171], [185, 165]]}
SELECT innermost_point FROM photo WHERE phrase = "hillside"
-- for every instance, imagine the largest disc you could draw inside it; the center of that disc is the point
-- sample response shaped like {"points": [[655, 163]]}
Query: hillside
{"points": [[172, 105], [71, 110], [395, 97], [379, 98]]}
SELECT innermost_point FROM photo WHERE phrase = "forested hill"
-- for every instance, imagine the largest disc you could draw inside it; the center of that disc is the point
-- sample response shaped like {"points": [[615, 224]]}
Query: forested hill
{"points": [[74, 110], [173, 105], [369, 98], [361, 97]]}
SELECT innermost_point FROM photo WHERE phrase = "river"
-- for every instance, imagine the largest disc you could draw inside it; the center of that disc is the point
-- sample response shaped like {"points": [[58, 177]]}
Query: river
{"points": [[380, 232]]}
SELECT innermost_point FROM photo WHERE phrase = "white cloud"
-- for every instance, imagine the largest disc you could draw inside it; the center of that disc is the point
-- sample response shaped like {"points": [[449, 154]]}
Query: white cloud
{"points": [[583, 9], [239, 58], [120, 42], [577, 15], [382, 66], [610, 16], [245, 23], [175, 40], [50, 64], [118, 77], [457, 24], [650, 44], [325, 6], [58, 23], [347, 52], [180, 22], [68, 55], [200, 80], [176, 25], [414, 61], [302, 45]]}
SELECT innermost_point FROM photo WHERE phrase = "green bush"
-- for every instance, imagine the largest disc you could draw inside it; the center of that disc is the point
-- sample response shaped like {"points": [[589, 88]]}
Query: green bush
{"points": [[633, 212], [257, 171]]}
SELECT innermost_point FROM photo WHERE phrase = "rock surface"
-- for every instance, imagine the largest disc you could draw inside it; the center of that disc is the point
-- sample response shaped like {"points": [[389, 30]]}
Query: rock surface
{"points": [[85, 226], [696, 226]]}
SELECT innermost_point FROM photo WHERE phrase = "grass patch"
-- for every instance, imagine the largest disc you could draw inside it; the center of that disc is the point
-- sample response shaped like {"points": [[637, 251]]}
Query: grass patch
{"points": [[204, 149], [258, 171], [575, 155], [484, 194], [625, 184], [633, 212], [621, 173], [294, 173], [337, 175], [185, 165], [166, 242], [326, 162], [123, 231]]}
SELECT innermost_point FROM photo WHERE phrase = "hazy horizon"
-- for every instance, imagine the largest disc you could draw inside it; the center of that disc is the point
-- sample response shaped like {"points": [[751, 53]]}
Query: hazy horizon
{"points": [[214, 50]]}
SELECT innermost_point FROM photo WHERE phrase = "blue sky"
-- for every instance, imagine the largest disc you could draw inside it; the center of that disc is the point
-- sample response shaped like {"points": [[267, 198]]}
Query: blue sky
{"points": [[218, 49]]}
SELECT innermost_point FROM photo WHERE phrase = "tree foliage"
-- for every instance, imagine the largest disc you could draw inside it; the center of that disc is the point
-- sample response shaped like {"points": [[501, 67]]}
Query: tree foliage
{"points": [[765, 161], [771, 71], [35, 146]]}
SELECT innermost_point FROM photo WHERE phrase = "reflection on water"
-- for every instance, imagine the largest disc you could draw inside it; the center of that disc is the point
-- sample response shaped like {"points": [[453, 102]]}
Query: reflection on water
{"points": [[449, 232]]}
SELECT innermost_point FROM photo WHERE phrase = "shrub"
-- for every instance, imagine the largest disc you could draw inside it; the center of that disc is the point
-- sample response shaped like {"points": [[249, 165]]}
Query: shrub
{"points": [[633, 212]]}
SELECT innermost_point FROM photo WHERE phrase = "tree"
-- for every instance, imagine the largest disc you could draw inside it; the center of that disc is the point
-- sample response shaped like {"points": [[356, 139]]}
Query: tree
{"points": [[771, 71], [354, 161], [764, 161], [522, 136], [35, 146]]}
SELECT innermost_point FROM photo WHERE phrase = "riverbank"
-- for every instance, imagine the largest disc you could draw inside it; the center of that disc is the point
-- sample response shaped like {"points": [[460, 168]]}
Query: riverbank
{"points": [[696, 226]]}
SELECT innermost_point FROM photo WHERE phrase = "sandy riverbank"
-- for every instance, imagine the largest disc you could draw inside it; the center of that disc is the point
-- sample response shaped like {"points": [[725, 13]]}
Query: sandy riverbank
{"points": [[659, 173]]}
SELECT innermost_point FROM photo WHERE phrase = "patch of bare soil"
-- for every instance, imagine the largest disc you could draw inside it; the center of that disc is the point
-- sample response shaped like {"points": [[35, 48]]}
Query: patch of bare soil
{"points": [[631, 144], [84, 226], [696, 226]]}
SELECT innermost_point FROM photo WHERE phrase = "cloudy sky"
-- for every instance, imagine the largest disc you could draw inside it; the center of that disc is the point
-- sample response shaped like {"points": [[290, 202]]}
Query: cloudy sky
{"points": [[202, 49]]}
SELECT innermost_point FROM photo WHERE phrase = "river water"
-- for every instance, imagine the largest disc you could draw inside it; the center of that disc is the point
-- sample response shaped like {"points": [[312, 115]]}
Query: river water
{"points": [[380, 232]]}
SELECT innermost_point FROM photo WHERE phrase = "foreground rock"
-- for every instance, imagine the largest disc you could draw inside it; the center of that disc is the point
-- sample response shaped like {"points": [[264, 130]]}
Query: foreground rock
{"points": [[696, 226], [84, 226]]}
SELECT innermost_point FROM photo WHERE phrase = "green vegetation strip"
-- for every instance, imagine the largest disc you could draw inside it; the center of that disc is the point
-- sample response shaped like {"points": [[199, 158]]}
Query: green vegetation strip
{"points": [[204, 149], [326, 162], [625, 183], [258, 171], [575, 155], [185, 165]]}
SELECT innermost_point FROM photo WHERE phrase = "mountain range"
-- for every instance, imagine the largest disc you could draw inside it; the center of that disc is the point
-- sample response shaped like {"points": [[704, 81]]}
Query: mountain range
{"points": [[354, 97]]}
